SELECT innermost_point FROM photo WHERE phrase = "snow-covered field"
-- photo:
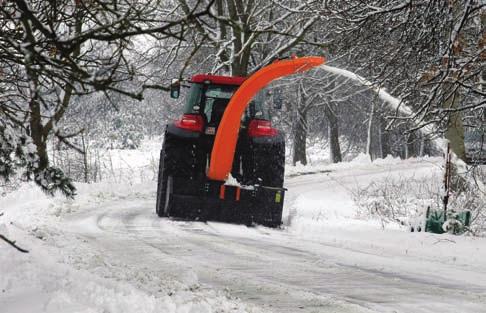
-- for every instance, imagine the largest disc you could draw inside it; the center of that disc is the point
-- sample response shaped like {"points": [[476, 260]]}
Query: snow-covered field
{"points": [[107, 251]]}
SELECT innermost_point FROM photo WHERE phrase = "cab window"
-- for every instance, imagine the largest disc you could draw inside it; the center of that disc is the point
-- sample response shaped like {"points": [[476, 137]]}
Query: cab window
{"points": [[211, 100]]}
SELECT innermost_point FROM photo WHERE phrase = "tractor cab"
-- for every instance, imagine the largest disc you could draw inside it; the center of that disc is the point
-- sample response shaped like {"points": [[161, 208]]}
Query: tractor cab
{"points": [[207, 99]]}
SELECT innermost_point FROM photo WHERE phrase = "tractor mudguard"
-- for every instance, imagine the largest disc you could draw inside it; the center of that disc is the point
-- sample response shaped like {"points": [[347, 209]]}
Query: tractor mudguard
{"points": [[182, 133], [223, 150], [267, 140]]}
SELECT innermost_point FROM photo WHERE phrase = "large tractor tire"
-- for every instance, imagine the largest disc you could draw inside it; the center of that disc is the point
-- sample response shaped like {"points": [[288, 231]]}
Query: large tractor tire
{"points": [[270, 165], [161, 206], [276, 170], [176, 159]]}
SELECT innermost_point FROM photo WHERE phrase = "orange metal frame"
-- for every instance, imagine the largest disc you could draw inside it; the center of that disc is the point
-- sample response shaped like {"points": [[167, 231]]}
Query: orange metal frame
{"points": [[227, 135]]}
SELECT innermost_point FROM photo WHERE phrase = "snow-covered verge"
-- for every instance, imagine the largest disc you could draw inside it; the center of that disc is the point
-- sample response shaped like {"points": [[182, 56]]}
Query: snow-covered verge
{"points": [[400, 198], [116, 165], [327, 215], [132, 166], [337, 201], [63, 273], [323, 165]]}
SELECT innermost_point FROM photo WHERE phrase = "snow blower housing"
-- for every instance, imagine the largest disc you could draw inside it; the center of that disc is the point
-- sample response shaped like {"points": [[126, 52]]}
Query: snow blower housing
{"points": [[223, 160]]}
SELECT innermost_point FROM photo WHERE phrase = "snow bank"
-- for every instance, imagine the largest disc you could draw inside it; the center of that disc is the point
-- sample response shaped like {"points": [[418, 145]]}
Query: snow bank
{"points": [[331, 203], [131, 166], [360, 159]]}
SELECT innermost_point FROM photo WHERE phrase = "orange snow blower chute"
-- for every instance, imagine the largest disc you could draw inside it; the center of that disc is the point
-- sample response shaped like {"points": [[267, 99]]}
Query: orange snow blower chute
{"points": [[227, 135]]}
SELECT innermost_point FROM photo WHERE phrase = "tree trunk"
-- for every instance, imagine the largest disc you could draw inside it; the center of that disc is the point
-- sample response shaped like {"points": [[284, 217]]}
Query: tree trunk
{"points": [[384, 139], [482, 44], [300, 128], [85, 159], [455, 129], [300, 138], [333, 132], [425, 147], [410, 148], [240, 57], [37, 130], [370, 141]]}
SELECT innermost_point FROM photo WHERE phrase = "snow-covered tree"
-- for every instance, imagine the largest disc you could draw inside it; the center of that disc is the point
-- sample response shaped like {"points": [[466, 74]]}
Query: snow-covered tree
{"points": [[430, 54], [51, 51], [241, 36]]}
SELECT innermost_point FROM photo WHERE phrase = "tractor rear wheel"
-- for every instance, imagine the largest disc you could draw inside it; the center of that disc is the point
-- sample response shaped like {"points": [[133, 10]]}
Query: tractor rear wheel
{"points": [[162, 184], [277, 167], [271, 166], [176, 160]]}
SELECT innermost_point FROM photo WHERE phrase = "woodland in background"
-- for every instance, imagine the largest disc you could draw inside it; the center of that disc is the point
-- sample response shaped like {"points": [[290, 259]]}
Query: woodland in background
{"points": [[77, 75]]}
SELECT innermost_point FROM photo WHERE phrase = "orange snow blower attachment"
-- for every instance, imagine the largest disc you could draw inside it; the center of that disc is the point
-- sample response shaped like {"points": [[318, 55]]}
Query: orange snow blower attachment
{"points": [[223, 150]]}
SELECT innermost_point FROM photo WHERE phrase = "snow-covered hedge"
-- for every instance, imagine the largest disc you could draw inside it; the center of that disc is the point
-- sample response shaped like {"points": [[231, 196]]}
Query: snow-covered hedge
{"points": [[405, 200]]}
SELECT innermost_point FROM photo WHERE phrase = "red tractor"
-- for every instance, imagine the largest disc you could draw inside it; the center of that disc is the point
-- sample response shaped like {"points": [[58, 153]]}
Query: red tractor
{"points": [[223, 160]]}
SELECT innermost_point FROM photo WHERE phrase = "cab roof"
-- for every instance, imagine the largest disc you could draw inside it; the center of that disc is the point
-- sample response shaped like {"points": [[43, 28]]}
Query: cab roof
{"points": [[216, 79]]}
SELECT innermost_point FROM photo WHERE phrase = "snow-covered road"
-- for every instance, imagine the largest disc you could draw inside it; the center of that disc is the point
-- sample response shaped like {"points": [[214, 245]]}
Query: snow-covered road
{"points": [[325, 262], [107, 251]]}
